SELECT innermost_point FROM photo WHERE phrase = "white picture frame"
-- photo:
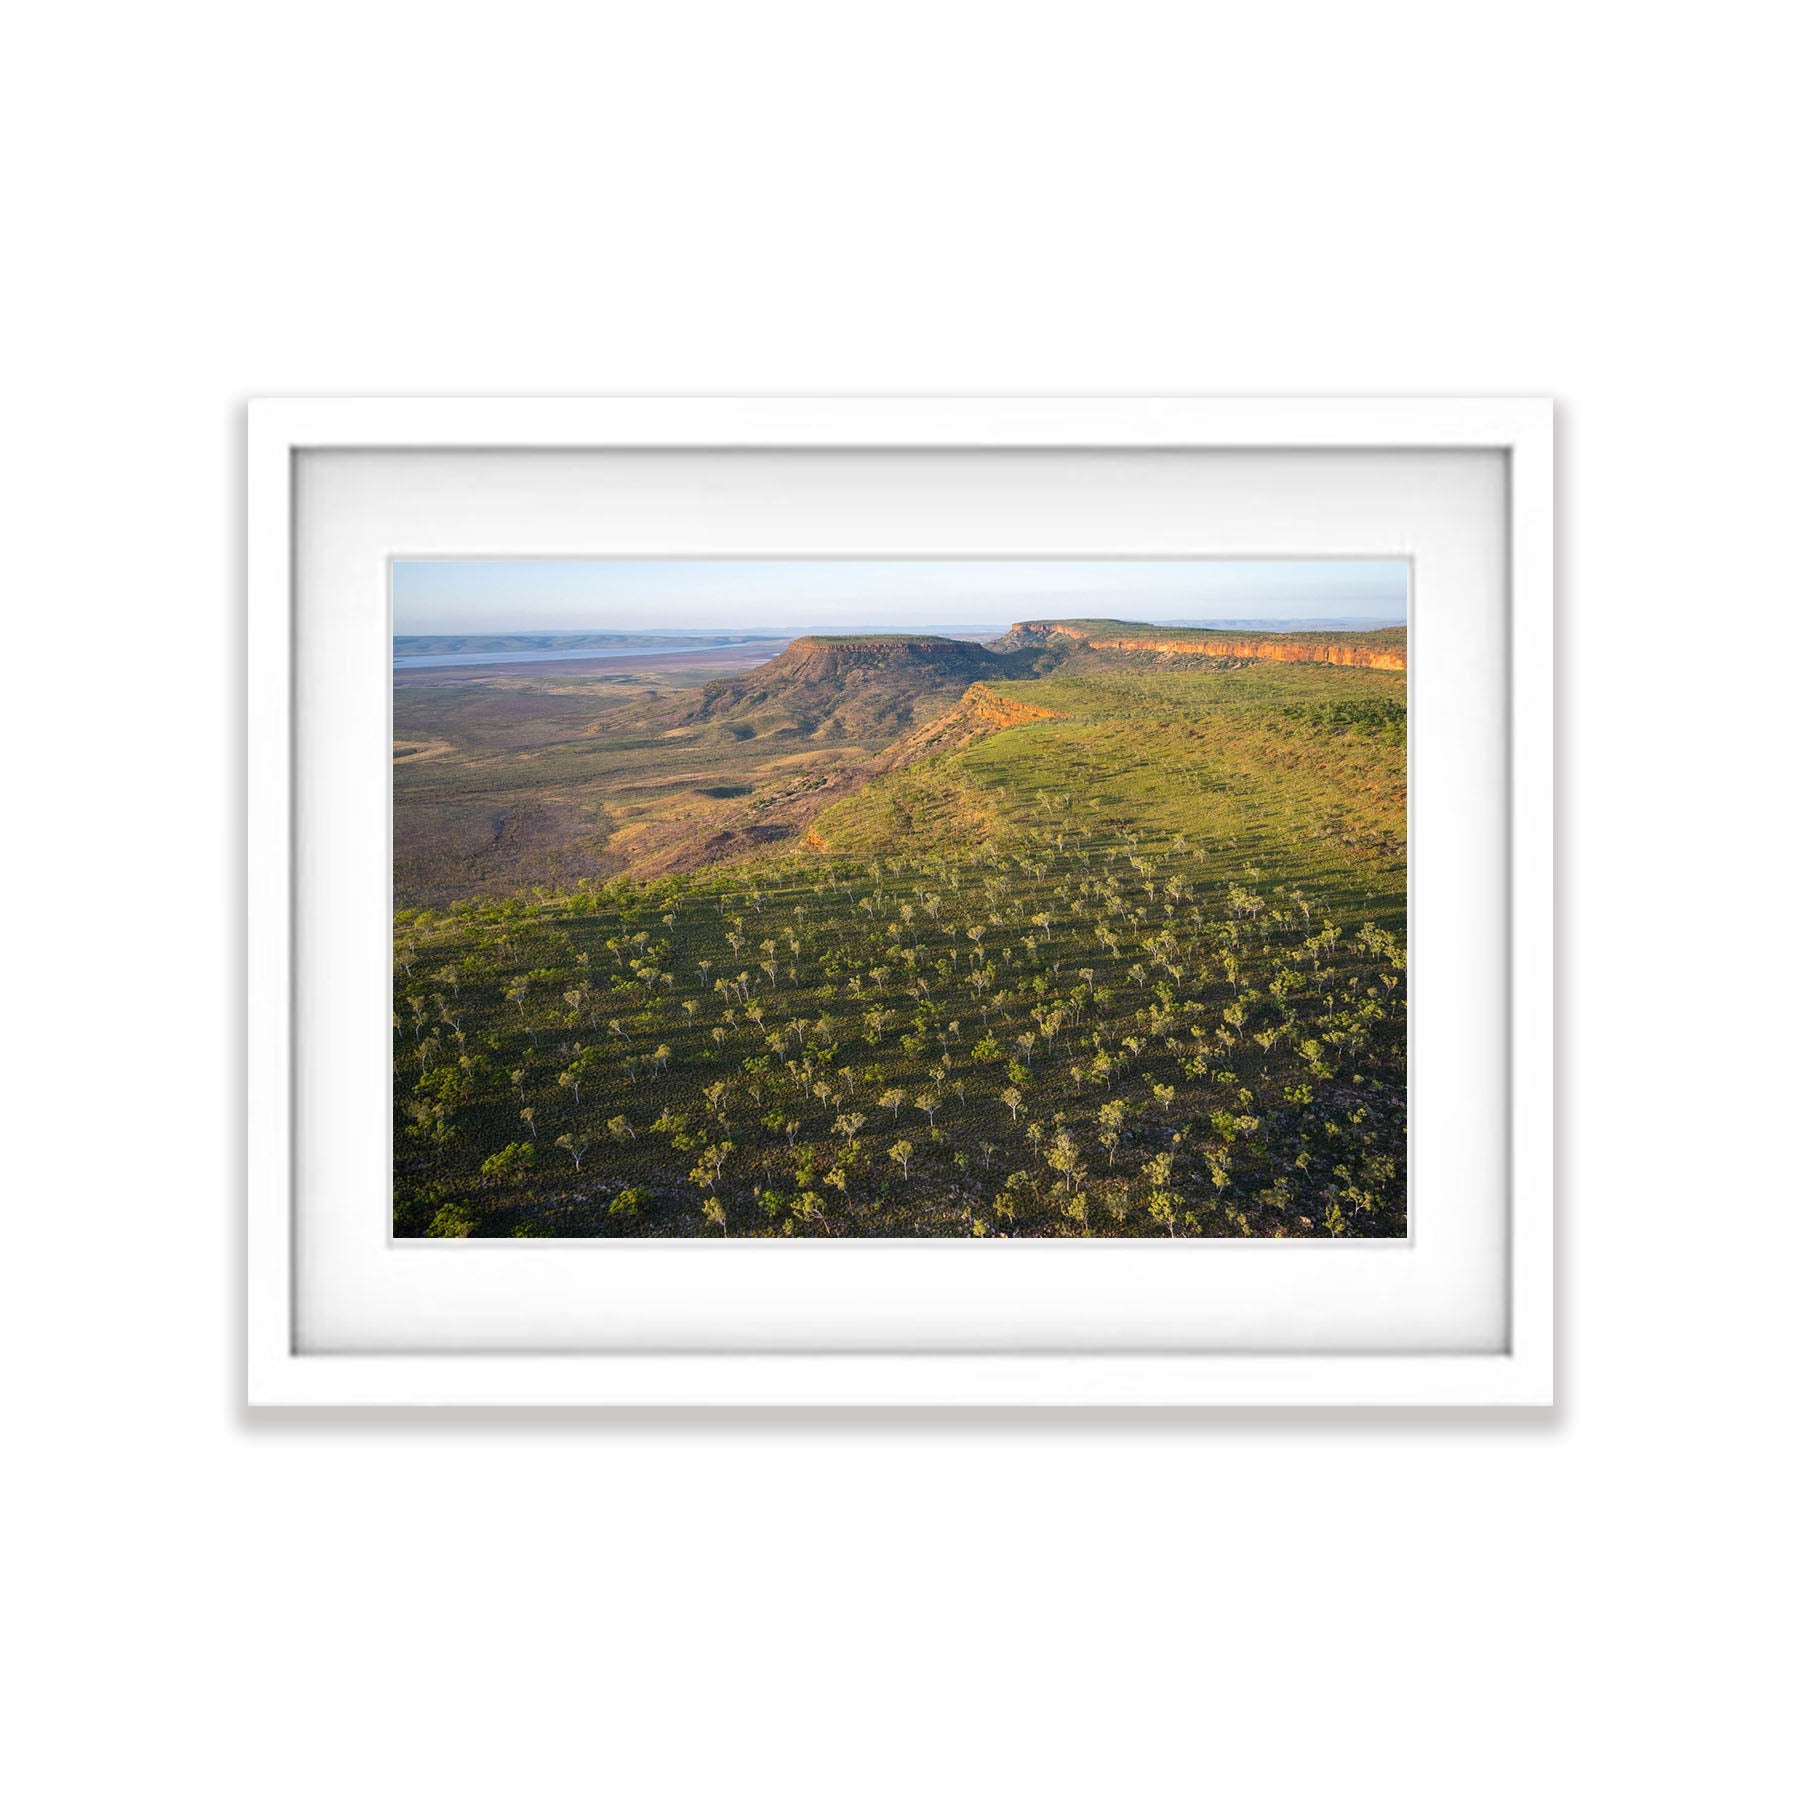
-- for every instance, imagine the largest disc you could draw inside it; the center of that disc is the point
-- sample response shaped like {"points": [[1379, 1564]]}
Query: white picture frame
{"points": [[1511, 1365]]}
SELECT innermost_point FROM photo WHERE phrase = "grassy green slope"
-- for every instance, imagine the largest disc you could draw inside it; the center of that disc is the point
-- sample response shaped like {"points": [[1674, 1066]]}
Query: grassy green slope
{"points": [[1299, 768]]}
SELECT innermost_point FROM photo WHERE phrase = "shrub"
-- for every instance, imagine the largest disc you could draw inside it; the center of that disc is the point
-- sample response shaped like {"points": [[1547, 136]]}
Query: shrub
{"points": [[453, 1219]]}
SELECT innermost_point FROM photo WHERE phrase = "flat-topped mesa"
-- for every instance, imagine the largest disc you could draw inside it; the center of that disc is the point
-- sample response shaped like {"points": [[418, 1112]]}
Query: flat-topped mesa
{"points": [[812, 658], [865, 690], [1383, 649], [924, 642]]}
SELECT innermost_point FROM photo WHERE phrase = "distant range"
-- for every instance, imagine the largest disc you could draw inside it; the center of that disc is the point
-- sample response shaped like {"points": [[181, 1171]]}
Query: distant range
{"points": [[420, 650]]}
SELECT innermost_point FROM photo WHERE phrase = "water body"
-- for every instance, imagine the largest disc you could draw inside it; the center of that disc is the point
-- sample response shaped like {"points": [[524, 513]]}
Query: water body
{"points": [[603, 653]]}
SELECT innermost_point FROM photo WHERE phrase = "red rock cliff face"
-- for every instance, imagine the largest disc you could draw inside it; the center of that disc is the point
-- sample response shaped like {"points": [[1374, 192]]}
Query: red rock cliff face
{"points": [[1001, 709], [1379, 651], [978, 714]]}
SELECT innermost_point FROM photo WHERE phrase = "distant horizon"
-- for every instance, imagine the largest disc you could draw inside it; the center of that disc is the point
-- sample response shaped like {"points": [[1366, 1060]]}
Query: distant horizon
{"points": [[724, 636], [969, 597]]}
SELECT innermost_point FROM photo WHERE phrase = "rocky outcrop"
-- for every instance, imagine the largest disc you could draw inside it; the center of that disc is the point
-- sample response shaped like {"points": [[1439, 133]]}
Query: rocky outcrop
{"points": [[1352, 649], [1001, 709], [978, 714]]}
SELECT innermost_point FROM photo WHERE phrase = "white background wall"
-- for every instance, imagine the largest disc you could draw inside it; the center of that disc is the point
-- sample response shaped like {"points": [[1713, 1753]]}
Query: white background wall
{"points": [[208, 202]]}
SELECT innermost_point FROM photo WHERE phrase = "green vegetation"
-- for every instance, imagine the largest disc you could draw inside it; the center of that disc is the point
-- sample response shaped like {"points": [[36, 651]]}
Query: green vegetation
{"points": [[1368, 717], [1135, 968], [1232, 760]]}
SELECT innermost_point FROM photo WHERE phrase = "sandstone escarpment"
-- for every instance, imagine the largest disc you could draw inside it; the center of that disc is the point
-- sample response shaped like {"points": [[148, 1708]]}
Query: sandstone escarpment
{"points": [[1384, 649]]}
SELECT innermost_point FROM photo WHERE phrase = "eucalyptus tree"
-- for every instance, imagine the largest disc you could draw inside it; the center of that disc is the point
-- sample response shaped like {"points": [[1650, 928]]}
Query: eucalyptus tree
{"points": [[1112, 1118], [711, 1165], [1162, 1201], [1065, 1158]]}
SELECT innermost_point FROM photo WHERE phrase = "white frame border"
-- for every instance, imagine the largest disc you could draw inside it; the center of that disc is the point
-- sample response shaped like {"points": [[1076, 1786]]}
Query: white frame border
{"points": [[1521, 1376]]}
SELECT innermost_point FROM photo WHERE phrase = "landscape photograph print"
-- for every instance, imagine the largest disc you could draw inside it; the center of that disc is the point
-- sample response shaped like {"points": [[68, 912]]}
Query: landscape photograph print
{"points": [[900, 898]]}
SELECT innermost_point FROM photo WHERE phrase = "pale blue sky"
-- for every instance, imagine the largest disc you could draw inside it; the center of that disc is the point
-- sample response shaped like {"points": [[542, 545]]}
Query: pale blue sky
{"points": [[924, 595]]}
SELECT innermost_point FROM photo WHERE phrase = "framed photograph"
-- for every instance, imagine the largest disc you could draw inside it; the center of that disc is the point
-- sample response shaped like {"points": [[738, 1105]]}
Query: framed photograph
{"points": [[927, 902]]}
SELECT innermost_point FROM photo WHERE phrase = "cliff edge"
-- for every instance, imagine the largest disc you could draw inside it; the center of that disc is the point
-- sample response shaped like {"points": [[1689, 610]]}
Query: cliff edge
{"points": [[1385, 649]]}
